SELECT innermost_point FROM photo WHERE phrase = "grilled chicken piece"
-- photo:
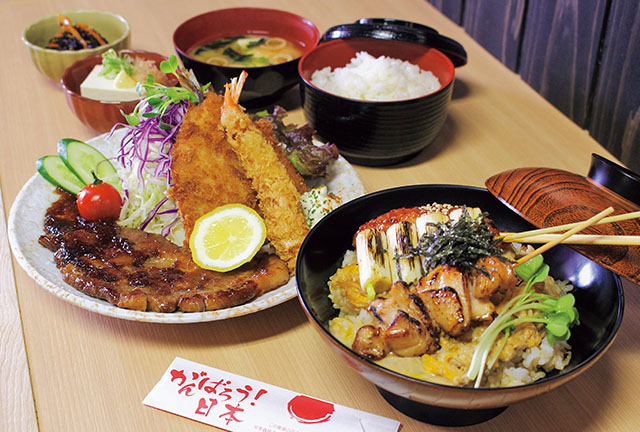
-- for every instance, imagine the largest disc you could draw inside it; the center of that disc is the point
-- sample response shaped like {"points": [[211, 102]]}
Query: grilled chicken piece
{"points": [[136, 270], [403, 326], [445, 295], [370, 343], [501, 276], [482, 309], [408, 337], [482, 288], [399, 297]]}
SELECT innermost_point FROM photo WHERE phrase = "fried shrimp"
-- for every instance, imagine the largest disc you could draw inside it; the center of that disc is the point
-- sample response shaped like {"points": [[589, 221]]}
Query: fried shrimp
{"points": [[278, 198]]}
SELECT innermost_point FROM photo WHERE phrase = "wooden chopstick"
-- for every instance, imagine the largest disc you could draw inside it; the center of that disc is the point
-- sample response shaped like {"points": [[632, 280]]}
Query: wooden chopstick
{"points": [[592, 239], [579, 227], [554, 229]]}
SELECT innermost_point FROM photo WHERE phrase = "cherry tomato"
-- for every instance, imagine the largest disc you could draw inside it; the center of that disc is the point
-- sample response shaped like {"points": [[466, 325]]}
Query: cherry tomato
{"points": [[99, 201]]}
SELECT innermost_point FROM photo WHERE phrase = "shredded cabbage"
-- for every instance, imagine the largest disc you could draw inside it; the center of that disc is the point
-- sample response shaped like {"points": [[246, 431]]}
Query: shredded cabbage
{"points": [[144, 169]]}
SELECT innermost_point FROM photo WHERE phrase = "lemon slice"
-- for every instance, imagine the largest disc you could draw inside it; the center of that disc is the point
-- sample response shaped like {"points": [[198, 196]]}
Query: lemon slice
{"points": [[227, 237]]}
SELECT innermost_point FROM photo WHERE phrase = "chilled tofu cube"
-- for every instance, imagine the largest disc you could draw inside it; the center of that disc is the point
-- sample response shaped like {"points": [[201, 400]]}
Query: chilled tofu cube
{"points": [[120, 89]]}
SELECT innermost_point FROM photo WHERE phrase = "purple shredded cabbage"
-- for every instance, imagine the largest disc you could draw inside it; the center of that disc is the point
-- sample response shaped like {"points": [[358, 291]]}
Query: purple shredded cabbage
{"points": [[135, 145]]}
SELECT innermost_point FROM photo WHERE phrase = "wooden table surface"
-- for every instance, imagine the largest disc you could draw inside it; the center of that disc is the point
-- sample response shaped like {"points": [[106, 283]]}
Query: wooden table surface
{"points": [[64, 368]]}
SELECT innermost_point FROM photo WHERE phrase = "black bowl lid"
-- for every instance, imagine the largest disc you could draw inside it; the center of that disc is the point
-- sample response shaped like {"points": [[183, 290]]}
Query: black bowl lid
{"points": [[383, 28], [617, 178]]}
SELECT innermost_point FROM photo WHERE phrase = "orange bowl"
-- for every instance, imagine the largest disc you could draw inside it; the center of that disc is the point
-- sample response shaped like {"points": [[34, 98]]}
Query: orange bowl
{"points": [[100, 116]]}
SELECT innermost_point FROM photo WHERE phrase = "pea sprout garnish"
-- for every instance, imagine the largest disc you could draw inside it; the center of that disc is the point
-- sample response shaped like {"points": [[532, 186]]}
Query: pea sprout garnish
{"points": [[557, 315], [159, 97]]}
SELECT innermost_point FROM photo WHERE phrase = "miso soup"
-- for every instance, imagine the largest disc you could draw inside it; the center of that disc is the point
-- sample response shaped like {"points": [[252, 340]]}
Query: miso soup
{"points": [[248, 51]]}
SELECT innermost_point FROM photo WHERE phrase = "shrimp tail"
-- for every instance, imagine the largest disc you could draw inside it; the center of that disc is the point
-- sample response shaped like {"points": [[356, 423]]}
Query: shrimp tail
{"points": [[233, 89]]}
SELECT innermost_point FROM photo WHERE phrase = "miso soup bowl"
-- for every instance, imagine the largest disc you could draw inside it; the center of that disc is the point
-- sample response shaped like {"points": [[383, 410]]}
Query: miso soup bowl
{"points": [[375, 133], [264, 84], [598, 293]]}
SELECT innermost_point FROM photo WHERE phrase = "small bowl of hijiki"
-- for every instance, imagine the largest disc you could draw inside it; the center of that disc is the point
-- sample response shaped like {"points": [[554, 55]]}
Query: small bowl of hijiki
{"points": [[57, 41], [417, 291], [266, 43]]}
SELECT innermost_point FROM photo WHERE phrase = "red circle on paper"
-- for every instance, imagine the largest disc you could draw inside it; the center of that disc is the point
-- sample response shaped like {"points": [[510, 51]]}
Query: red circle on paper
{"points": [[309, 410]]}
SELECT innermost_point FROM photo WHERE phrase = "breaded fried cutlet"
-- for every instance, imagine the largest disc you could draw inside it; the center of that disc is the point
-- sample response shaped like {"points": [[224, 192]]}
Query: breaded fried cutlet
{"points": [[205, 170]]}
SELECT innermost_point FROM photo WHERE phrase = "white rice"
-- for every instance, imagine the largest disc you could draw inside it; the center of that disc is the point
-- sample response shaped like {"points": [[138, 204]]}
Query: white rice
{"points": [[376, 79]]}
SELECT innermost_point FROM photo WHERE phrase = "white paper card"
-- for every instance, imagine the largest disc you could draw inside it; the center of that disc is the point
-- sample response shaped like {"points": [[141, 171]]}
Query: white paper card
{"points": [[236, 403]]}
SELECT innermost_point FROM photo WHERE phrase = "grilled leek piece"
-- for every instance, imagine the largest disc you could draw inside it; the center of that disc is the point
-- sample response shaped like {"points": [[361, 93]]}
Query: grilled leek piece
{"points": [[385, 257], [424, 221], [403, 238], [373, 261]]}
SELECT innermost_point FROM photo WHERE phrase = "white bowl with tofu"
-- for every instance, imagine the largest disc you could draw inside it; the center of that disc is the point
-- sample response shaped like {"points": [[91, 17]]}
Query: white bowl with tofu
{"points": [[99, 99]]}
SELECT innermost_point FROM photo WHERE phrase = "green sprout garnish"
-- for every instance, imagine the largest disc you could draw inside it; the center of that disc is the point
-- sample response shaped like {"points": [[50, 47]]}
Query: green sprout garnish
{"points": [[557, 315], [159, 96], [113, 63]]}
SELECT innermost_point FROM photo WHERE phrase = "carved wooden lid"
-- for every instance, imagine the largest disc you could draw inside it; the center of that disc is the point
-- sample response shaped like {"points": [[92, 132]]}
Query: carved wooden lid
{"points": [[547, 197]]}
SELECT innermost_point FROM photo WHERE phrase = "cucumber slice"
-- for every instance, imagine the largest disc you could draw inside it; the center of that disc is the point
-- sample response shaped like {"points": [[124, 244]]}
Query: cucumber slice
{"points": [[83, 159], [54, 170]]}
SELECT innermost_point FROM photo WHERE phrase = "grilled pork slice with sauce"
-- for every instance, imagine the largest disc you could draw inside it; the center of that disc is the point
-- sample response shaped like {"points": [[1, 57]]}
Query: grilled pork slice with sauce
{"points": [[445, 294], [136, 270], [403, 327]]}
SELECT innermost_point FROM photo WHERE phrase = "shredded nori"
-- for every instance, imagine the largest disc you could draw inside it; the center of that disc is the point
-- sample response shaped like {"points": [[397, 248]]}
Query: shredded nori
{"points": [[458, 243], [236, 56], [256, 43], [218, 43]]}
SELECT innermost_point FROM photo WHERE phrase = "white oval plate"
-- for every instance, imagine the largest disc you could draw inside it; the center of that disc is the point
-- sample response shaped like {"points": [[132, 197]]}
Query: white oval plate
{"points": [[26, 222]]}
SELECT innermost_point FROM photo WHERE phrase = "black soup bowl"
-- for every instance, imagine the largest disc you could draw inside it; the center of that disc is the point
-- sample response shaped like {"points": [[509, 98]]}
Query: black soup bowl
{"points": [[376, 133], [598, 293]]}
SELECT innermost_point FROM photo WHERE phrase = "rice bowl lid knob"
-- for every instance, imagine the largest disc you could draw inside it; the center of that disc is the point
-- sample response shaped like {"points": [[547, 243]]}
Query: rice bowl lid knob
{"points": [[390, 29]]}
